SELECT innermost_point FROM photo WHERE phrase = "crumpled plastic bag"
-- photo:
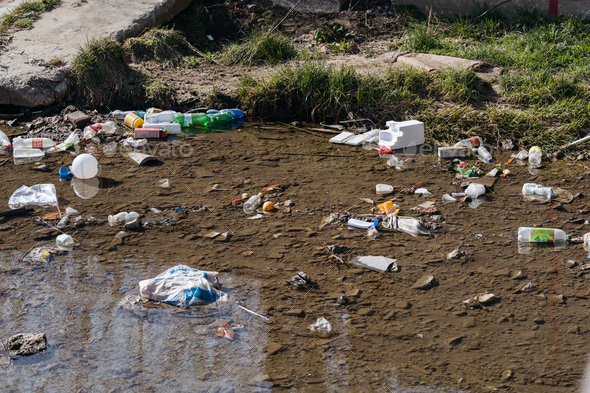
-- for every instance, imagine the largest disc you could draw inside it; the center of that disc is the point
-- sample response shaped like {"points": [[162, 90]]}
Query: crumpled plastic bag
{"points": [[43, 195], [321, 327], [409, 225], [183, 286]]}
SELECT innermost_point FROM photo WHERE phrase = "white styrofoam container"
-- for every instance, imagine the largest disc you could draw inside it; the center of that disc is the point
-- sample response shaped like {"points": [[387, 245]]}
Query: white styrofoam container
{"points": [[383, 189], [342, 137], [402, 134], [358, 140]]}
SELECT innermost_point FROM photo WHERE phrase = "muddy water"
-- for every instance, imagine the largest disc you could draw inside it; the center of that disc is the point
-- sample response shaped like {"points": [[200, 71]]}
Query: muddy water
{"points": [[97, 345], [388, 336]]}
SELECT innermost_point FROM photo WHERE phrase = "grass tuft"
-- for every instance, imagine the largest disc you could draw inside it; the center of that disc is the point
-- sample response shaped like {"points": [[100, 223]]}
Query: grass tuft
{"points": [[161, 45], [260, 48], [99, 68], [26, 13]]}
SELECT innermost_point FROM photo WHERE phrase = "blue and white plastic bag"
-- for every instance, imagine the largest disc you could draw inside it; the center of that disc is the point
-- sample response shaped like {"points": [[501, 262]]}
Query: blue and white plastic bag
{"points": [[183, 286]]}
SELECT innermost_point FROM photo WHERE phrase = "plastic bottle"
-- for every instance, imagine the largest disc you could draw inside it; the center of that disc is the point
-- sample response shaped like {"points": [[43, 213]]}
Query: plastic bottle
{"points": [[4, 140], [65, 242], [91, 130], [235, 113], [484, 155], [191, 119], [541, 235], [536, 192], [72, 140], [120, 114], [535, 156], [121, 218], [22, 156], [252, 203], [472, 142], [221, 117], [161, 117], [33, 143]]}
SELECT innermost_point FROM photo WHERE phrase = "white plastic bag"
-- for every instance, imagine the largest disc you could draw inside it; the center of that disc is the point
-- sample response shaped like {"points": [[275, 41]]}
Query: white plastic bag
{"points": [[321, 327], [43, 195], [183, 286], [134, 143]]}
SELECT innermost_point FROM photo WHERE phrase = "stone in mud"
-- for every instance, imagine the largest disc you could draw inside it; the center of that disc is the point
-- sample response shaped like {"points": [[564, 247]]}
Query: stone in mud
{"points": [[518, 275], [273, 348], [506, 375], [469, 322], [389, 316], [296, 312], [133, 224], [27, 344], [427, 281], [403, 304], [451, 342], [79, 119], [365, 312]]}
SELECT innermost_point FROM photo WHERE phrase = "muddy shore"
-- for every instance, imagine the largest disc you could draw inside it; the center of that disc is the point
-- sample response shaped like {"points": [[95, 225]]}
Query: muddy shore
{"points": [[387, 331]]}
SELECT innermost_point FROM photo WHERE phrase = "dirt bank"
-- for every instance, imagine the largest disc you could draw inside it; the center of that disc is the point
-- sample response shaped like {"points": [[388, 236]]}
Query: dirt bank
{"points": [[387, 333]]}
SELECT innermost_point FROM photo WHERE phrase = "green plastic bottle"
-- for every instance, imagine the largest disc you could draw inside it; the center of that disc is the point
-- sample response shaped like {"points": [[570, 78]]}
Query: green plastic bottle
{"points": [[221, 117], [191, 119]]}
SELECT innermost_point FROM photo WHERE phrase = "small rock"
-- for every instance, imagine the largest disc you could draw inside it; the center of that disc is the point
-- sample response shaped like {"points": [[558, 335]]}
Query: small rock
{"points": [[538, 320], [518, 275], [78, 119], [456, 254], [365, 312], [506, 375], [404, 305], [296, 312], [451, 342], [133, 224], [223, 237], [427, 281], [558, 155], [273, 348], [469, 322], [552, 270], [389, 316], [27, 344]]}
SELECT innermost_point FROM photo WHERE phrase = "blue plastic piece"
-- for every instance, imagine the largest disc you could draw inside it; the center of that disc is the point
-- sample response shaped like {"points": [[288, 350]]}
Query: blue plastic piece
{"points": [[64, 173]]}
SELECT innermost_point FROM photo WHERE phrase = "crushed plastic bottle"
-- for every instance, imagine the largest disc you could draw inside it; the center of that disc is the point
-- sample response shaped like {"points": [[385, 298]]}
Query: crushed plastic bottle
{"points": [[541, 235], [252, 203], [72, 140], [535, 156], [121, 218], [91, 130], [65, 242], [536, 192]]}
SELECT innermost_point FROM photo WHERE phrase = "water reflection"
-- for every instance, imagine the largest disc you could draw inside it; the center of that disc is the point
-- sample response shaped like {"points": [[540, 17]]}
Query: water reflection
{"points": [[532, 248], [111, 349]]}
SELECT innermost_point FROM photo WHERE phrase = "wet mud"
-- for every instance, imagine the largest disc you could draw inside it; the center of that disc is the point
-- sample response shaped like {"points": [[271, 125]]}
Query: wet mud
{"points": [[387, 336]]}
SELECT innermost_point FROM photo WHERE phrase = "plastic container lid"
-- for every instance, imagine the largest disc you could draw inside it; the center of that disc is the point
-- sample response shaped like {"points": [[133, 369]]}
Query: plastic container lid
{"points": [[383, 189]]}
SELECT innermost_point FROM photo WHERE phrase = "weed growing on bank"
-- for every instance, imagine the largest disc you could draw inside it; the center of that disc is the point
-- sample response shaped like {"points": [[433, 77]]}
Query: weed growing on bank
{"points": [[99, 68], [259, 48], [23, 15], [161, 45]]}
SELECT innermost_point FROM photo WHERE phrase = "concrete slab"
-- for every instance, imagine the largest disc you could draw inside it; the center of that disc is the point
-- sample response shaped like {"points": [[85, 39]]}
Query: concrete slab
{"points": [[60, 32]]}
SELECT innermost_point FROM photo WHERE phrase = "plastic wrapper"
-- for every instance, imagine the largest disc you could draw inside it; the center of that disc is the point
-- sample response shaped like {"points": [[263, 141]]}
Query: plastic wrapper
{"points": [[465, 169], [183, 286], [43, 195], [321, 327]]}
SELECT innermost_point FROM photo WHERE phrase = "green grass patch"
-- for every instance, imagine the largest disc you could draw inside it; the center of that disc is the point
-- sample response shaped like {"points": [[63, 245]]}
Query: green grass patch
{"points": [[99, 69], [23, 15], [259, 48], [161, 45]]}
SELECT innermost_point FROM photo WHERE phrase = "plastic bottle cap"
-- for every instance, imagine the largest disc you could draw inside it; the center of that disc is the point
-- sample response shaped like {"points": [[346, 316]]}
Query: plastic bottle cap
{"points": [[569, 237], [260, 195]]}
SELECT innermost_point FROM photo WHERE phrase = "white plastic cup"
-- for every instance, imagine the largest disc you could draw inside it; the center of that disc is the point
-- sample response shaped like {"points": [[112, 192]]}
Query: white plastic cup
{"points": [[474, 190], [448, 198]]}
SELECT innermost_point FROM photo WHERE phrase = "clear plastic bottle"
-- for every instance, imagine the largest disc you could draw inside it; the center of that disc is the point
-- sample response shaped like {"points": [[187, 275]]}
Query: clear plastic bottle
{"points": [[22, 156], [33, 143], [121, 218], [252, 203], [484, 155], [120, 114], [536, 192], [91, 130], [4, 141], [535, 156], [235, 113], [471, 143], [541, 235]]}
